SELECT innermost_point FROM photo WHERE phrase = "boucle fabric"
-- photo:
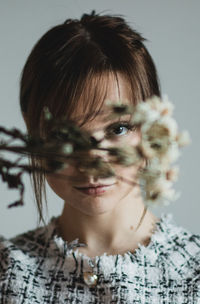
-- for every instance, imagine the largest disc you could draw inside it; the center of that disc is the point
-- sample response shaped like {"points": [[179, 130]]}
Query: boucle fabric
{"points": [[40, 267]]}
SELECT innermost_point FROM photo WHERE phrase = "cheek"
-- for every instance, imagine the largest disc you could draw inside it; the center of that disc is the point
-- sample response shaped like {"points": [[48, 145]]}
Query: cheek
{"points": [[59, 185], [130, 141], [129, 173], [134, 138]]}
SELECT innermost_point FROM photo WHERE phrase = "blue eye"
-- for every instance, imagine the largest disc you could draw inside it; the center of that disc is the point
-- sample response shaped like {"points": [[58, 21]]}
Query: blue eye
{"points": [[119, 129]]}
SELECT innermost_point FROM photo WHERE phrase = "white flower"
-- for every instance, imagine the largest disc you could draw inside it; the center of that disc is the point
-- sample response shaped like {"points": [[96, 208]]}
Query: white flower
{"points": [[183, 139], [171, 125], [172, 154], [167, 106], [155, 103], [163, 106], [146, 149], [160, 145], [144, 113], [172, 174], [155, 139], [67, 148], [161, 192]]}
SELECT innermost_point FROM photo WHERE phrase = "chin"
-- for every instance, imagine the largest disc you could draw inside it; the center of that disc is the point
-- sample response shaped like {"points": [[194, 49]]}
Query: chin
{"points": [[95, 205]]}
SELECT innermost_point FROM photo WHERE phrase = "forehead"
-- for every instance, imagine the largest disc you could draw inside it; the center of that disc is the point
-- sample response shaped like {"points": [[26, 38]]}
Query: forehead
{"points": [[93, 100]]}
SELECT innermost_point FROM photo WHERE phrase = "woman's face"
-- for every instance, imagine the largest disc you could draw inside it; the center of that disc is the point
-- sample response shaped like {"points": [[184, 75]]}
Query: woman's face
{"points": [[90, 195]]}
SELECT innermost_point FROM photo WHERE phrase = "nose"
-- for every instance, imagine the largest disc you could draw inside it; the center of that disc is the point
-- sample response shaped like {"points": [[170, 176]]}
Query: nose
{"points": [[94, 141], [98, 146]]}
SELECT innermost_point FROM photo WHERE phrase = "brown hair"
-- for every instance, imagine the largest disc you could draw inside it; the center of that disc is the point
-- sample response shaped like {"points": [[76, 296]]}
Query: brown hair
{"points": [[71, 62]]}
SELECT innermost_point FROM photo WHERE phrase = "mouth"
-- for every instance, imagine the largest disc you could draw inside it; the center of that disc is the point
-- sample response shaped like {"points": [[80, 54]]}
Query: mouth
{"points": [[97, 189]]}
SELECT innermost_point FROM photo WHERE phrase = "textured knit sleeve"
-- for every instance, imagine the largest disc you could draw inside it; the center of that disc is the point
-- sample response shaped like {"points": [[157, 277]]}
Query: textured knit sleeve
{"points": [[4, 257], [195, 266], [5, 267]]}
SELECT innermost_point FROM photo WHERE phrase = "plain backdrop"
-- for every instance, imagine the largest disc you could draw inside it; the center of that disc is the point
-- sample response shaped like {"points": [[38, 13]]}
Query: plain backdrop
{"points": [[172, 28]]}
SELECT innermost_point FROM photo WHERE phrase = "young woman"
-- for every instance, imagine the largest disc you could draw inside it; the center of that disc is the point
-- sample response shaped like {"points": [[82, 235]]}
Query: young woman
{"points": [[106, 246]]}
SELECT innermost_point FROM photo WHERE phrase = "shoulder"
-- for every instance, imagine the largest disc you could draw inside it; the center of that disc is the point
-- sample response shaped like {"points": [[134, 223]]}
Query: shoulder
{"points": [[180, 237], [24, 249], [180, 249], [20, 257]]}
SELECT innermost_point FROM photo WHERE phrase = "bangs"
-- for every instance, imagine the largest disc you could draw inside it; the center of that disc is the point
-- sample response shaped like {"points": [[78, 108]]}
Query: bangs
{"points": [[88, 98], [89, 102]]}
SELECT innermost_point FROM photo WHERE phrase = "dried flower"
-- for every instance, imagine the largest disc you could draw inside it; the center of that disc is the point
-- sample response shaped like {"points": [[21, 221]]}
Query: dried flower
{"points": [[47, 114], [183, 139], [125, 156], [172, 174], [64, 143]]}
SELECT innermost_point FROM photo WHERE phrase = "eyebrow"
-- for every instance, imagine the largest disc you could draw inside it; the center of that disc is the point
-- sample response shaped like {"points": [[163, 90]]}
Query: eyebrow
{"points": [[119, 117]]}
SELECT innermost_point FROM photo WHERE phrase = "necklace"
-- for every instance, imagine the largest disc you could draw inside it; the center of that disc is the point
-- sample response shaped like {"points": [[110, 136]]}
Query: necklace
{"points": [[90, 277]]}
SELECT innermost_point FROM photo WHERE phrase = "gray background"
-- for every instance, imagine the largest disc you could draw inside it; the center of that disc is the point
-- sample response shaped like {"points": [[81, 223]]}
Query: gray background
{"points": [[173, 30]]}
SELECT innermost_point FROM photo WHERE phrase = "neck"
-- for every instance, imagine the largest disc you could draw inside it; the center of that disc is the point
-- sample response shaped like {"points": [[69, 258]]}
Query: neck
{"points": [[107, 232]]}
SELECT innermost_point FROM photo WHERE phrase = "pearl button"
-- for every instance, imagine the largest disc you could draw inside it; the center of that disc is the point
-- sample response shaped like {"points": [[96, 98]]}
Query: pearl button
{"points": [[90, 278]]}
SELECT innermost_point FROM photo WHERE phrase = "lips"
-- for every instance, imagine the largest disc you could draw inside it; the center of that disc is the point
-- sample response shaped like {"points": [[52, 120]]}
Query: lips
{"points": [[94, 189], [90, 185]]}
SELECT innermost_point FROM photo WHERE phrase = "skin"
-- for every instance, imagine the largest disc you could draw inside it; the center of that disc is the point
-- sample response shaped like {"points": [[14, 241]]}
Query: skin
{"points": [[105, 222]]}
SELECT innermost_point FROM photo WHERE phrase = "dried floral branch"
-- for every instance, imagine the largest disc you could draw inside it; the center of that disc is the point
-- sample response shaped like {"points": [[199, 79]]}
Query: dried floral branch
{"points": [[66, 144]]}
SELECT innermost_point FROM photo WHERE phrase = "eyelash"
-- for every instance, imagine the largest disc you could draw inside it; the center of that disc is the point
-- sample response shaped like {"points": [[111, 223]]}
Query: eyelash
{"points": [[122, 124]]}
